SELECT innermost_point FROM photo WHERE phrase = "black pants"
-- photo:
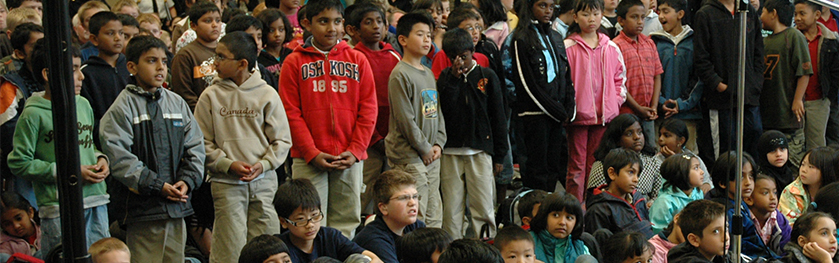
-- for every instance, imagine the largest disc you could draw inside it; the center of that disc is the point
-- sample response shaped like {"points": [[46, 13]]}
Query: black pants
{"points": [[547, 152]]}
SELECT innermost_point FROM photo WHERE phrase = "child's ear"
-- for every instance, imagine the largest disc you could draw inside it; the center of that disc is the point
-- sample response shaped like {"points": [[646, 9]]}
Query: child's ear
{"points": [[383, 208], [802, 240], [305, 23], [680, 14], [46, 74], [620, 20], [694, 240], [748, 200], [283, 223], [612, 173], [94, 39], [403, 40], [20, 54], [525, 220], [351, 30], [31, 212], [131, 66]]}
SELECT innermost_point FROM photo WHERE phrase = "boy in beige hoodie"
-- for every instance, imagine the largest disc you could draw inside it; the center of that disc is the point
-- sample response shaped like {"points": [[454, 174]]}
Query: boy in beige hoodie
{"points": [[246, 136]]}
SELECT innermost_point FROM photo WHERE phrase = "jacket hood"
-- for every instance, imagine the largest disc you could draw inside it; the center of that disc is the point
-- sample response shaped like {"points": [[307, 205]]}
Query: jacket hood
{"points": [[686, 33], [678, 194], [308, 47], [603, 40], [254, 81], [600, 195], [685, 253]]}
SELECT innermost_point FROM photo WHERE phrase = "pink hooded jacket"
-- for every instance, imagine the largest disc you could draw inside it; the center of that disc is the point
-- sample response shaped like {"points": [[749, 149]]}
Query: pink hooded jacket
{"points": [[10, 244], [599, 77]]}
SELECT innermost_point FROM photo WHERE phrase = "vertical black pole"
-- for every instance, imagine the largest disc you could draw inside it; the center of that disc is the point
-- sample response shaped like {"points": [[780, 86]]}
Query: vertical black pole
{"points": [[57, 36]]}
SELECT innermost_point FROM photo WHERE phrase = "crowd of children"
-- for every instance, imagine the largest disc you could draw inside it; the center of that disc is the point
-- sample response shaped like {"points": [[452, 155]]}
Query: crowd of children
{"points": [[390, 131]]}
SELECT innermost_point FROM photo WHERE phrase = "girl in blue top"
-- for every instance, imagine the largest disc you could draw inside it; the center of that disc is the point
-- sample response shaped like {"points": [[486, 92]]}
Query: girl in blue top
{"points": [[556, 229], [684, 176]]}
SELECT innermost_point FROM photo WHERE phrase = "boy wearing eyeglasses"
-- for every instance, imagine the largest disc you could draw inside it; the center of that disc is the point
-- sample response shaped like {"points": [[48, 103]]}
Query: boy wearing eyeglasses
{"points": [[298, 205], [397, 204]]}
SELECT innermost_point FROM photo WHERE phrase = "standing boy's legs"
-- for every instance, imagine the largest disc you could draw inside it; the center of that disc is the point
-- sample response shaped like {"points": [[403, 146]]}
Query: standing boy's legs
{"points": [[345, 199], [420, 173], [96, 222], [536, 133], [375, 164], [452, 187], [262, 216], [479, 188], [434, 218], [577, 142], [157, 241], [229, 236], [815, 122], [832, 131]]}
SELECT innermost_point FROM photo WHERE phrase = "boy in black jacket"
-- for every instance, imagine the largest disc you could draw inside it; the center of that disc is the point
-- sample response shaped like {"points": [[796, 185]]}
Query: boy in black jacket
{"points": [[477, 144], [617, 206]]}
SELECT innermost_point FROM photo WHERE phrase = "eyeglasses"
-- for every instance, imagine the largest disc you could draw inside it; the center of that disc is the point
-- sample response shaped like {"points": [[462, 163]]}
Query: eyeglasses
{"points": [[403, 198], [476, 27], [305, 222]]}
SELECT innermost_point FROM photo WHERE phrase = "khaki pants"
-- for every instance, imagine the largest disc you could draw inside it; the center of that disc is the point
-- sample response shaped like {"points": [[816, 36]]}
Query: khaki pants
{"points": [[462, 177], [815, 122], [374, 166], [428, 187], [242, 212], [340, 193], [157, 241], [796, 147]]}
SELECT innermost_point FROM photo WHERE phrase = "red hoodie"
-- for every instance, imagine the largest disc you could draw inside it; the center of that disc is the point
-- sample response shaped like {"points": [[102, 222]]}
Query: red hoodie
{"points": [[384, 59], [329, 100]]}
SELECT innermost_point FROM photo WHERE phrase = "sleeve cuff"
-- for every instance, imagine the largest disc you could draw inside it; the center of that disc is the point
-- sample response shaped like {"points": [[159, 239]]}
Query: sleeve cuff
{"points": [[223, 164], [266, 165]]}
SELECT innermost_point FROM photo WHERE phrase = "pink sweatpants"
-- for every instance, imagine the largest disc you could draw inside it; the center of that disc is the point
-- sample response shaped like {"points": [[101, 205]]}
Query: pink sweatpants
{"points": [[582, 141]]}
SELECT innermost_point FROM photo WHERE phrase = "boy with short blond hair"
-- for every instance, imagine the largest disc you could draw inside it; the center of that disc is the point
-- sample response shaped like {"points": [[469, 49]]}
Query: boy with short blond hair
{"points": [[127, 7], [151, 23], [109, 250]]}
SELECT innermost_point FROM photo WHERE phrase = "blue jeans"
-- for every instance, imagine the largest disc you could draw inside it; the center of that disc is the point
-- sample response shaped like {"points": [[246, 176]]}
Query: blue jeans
{"points": [[96, 223]]}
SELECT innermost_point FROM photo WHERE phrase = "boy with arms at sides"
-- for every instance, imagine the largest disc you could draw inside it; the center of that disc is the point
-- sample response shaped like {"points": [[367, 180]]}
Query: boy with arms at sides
{"points": [[331, 106], [417, 130], [706, 235], [33, 156], [823, 87], [246, 136], [786, 77], [477, 136], [158, 151], [192, 67], [101, 86], [643, 67], [396, 214], [298, 206], [366, 22], [617, 206]]}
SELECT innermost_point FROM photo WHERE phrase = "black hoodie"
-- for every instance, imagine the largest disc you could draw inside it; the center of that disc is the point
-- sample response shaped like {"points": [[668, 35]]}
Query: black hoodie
{"points": [[716, 36], [687, 253], [101, 86], [607, 211]]}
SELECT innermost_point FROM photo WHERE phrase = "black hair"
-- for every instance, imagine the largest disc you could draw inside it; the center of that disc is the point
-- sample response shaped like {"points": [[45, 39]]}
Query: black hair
{"points": [[676, 170], [565, 6], [426, 4], [624, 245], [805, 223], [614, 131], [582, 5], [456, 41], [560, 201], [99, 20], [528, 201], [510, 234], [23, 33], [678, 5], [407, 22], [128, 20], [261, 248], [813, 6], [625, 5], [141, 44], [785, 8], [418, 245], [725, 168], [460, 14], [272, 3], [314, 8], [12, 200], [492, 11], [230, 13], [296, 193], [525, 31], [823, 158], [676, 127], [619, 158], [242, 46], [242, 23], [41, 57], [470, 250], [697, 215], [356, 15], [199, 9], [325, 259], [825, 200], [267, 17], [12, 4]]}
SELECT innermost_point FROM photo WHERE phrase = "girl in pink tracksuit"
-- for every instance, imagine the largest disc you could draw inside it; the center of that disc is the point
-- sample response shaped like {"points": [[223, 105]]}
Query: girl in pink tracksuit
{"points": [[599, 74]]}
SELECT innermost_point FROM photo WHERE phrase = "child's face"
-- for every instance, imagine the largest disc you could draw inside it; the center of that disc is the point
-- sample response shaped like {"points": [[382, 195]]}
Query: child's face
{"points": [[78, 76], [560, 224], [778, 157], [669, 17], [290, 4], [824, 234], [633, 137], [371, 26], [418, 41], [113, 256], [610, 5], [306, 223], [670, 140], [645, 257], [276, 34], [30, 45], [747, 183], [809, 174], [129, 10], [128, 32], [325, 28], [474, 27], [764, 200], [18, 223], [626, 179], [446, 10], [154, 28], [805, 17], [435, 12], [402, 207], [278, 258], [462, 61], [714, 240], [110, 38], [150, 71], [633, 24], [767, 18], [225, 63], [256, 33], [38, 6], [696, 173], [543, 11], [518, 251], [208, 27]]}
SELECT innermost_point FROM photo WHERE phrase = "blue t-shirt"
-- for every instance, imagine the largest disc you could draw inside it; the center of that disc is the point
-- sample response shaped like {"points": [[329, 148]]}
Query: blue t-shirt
{"points": [[378, 238], [329, 242]]}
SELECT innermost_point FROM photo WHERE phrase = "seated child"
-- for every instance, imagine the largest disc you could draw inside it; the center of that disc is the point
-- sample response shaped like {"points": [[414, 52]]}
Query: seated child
{"points": [[814, 239], [515, 245], [666, 240], [773, 158], [21, 234], [673, 135], [471, 250], [423, 245], [298, 206], [684, 176], [529, 205], [628, 246], [703, 227], [726, 167], [772, 229], [617, 205], [109, 250], [562, 212], [396, 214], [817, 169], [265, 248]]}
